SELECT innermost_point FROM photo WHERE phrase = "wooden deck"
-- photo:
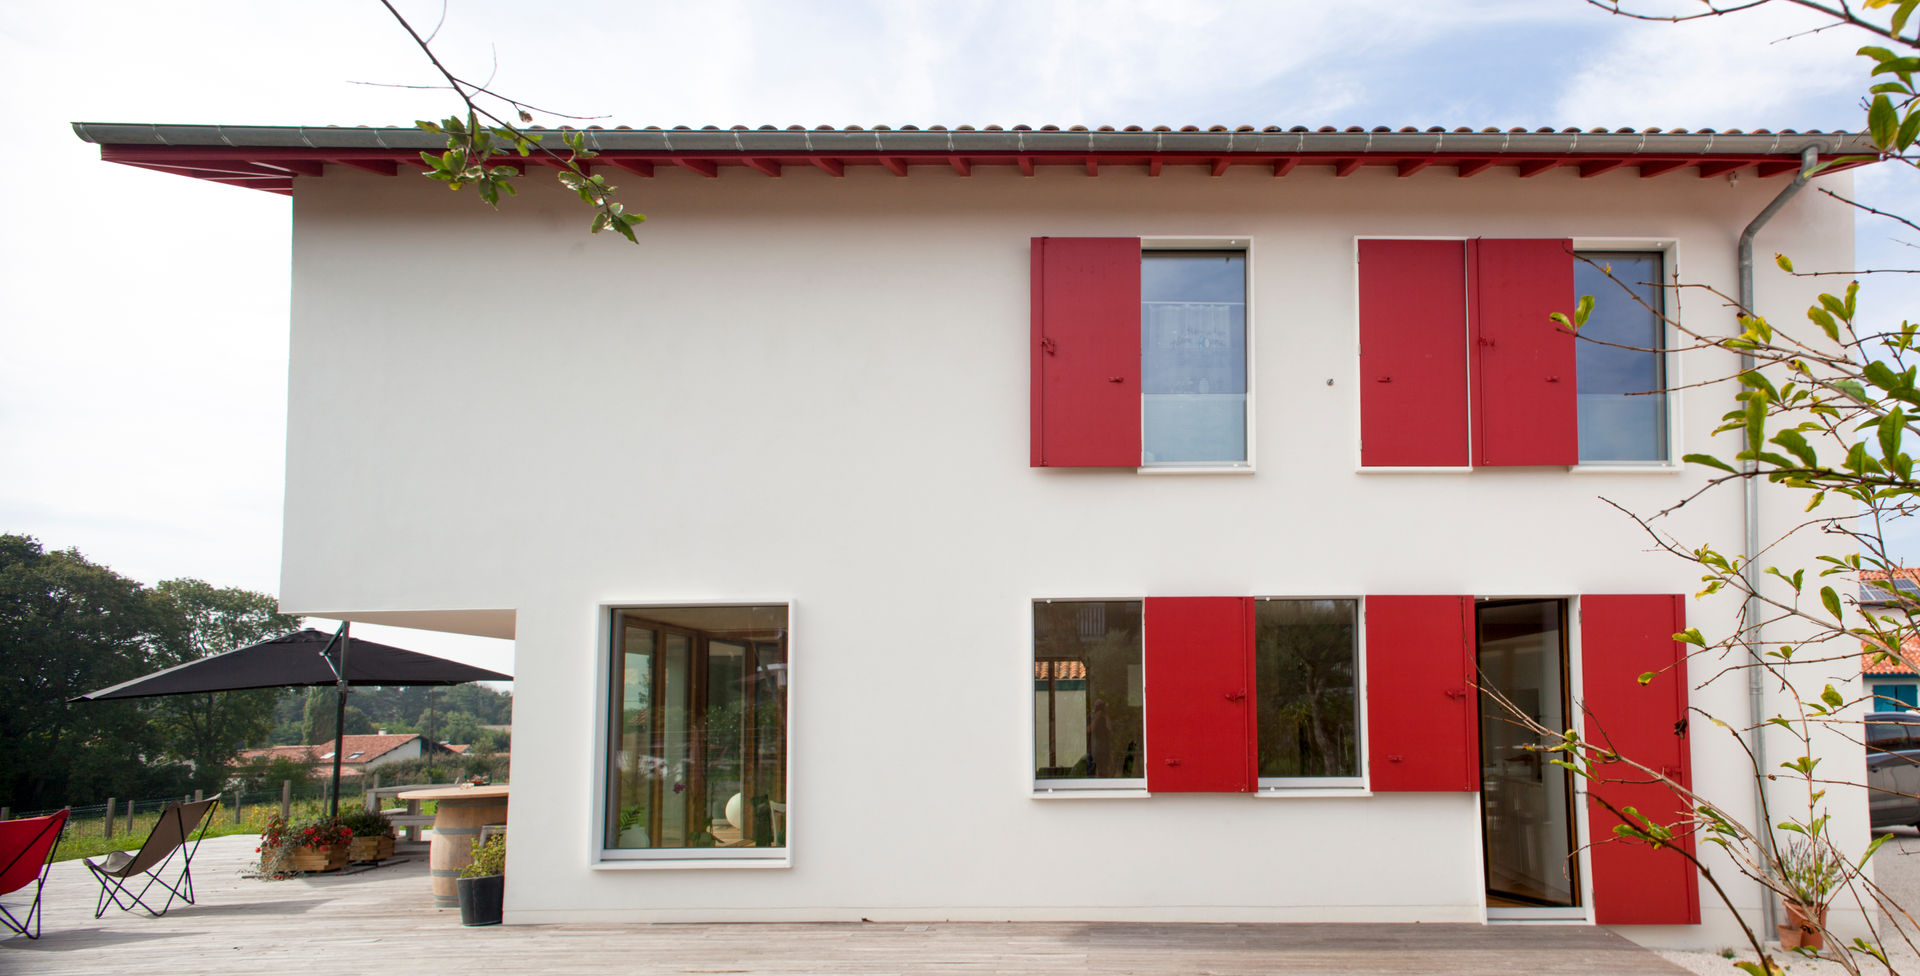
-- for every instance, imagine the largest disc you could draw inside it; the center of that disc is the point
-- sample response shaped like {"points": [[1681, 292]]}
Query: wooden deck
{"points": [[383, 921]]}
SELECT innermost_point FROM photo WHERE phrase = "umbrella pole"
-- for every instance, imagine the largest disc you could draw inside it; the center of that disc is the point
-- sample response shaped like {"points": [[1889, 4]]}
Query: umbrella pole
{"points": [[340, 714]]}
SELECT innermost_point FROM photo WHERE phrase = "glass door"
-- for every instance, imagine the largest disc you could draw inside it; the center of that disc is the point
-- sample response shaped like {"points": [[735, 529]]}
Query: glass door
{"points": [[1526, 801]]}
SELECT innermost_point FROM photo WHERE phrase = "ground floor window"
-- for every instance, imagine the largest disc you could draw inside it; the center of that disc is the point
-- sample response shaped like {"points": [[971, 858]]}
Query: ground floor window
{"points": [[698, 737], [1087, 690], [1307, 689]]}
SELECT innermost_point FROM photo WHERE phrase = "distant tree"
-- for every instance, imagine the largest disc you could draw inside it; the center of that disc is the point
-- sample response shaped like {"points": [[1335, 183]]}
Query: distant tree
{"points": [[321, 709], [69, 626], [193, 620]]}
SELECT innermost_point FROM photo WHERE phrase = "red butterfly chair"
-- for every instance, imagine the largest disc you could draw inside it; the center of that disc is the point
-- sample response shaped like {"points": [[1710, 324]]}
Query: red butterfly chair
{"points": [[26, 854]]}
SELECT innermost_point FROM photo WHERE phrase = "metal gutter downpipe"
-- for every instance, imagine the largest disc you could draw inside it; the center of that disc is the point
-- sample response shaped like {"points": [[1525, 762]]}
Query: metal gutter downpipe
{"points": [[1756, 676]]}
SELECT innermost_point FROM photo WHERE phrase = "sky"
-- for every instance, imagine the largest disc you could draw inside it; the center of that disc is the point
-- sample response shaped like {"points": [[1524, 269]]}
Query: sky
{"points": [[143, 317]]}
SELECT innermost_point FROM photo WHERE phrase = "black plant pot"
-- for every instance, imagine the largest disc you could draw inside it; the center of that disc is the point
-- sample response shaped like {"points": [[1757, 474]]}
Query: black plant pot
{"points": [[480, 899]]}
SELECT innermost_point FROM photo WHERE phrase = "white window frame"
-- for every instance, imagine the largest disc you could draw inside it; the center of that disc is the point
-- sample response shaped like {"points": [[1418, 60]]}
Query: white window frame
{"points": [[1243, 244], [602, 857]]}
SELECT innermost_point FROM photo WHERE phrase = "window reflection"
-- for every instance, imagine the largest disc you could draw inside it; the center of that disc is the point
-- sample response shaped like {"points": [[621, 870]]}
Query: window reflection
{"points": [[1304, 653], [699, 750], [1087, 690], [1193, 356], [1623, 416]]}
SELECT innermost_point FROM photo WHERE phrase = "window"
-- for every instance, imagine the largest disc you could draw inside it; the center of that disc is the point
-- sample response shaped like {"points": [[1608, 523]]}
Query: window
{"points": [[1623, 411], [697, 754], [1193, 357], [1308, 704], [1139, 356], [1099, 665], [1087, 692], [1461, 366]]}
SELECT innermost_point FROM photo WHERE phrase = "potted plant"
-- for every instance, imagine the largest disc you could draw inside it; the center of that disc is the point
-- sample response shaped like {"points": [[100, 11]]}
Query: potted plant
{"points": [[312, 844], [1809, 872], [372, 835], [483, 883]]}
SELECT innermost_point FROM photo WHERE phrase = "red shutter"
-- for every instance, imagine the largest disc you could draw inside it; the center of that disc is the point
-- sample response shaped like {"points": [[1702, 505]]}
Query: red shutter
{"points": [[1621, 638], [1086, 352], [1413, 353], [1422, 734], [1199, 681], [1525, 410]]}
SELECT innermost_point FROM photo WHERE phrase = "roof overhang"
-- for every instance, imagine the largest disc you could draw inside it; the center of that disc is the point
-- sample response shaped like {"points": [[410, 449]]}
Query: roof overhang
{"points": [[271, 157]]}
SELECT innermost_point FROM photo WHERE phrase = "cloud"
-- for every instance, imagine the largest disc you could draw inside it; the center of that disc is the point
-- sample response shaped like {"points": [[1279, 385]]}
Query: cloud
{"points": [[1740, 71]]}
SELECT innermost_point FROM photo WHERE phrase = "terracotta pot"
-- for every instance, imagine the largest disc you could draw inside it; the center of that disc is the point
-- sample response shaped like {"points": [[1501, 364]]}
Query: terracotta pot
{"points": [[370, 849], [1800, 931]]}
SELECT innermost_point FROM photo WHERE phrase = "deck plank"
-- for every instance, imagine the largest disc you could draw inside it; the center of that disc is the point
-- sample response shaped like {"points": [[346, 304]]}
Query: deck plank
{"points": [[383, 921]]}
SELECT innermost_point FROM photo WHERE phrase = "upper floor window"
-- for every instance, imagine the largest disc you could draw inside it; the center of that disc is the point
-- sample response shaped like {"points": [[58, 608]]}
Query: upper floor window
{"points": [[1623, 406], [1193, 357], [1139, 356]]}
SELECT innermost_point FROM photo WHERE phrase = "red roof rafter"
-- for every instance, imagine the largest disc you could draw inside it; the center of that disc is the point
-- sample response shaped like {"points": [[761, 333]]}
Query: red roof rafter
{"points": [[638, 167], [384, 167], [270, 157]]}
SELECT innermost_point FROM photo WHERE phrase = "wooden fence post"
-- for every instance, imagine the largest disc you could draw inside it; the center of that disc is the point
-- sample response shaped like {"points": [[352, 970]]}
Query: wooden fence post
{"points": [[286, 799], [109, 820], [239, 800], [129, 816], [197, 797]]}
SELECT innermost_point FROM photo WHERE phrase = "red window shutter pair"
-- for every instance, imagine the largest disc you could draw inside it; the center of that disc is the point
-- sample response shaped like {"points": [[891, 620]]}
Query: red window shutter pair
{"points": [[1086, 352], [1459, 363], [1423, 729]]}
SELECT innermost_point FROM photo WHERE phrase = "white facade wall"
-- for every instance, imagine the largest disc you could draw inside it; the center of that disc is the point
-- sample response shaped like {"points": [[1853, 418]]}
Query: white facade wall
{"points": [[814, 391]]}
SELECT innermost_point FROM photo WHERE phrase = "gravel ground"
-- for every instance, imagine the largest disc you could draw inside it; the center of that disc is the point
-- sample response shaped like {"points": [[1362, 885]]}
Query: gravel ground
{"points": [[1896, 870]]}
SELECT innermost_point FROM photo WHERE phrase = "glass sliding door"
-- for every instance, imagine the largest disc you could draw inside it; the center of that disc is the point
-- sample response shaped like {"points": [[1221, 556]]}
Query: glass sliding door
{"points": [[1527, 802]]}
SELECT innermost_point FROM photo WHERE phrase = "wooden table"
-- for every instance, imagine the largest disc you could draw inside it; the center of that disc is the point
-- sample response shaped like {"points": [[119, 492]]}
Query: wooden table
{"points": [[462, 811]]}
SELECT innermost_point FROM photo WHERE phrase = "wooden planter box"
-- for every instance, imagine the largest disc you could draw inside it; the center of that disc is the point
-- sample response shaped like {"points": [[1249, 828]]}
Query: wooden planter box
{"points": [[370, 849], [308, 859]]}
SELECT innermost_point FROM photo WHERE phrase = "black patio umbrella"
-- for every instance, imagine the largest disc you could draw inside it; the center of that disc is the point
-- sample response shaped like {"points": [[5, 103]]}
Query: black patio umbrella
{"points": [[305, 658]]}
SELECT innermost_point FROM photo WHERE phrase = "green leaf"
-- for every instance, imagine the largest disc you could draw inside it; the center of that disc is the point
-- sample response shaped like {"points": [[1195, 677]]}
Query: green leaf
{"points": [[1831, 601], [1691, 636], [1797, 444], [1881, 121], [1899, 22], [1830, 697], [1756, 421], [1708, 460], [1909, 128], [1891, 427], [1785, 264], [1646, 678], [1876, 53]]}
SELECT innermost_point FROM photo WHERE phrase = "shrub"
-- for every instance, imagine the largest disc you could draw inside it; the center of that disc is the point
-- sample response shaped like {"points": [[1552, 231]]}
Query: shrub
{"points": [[279, 838], [366, 823], [489, 858]]}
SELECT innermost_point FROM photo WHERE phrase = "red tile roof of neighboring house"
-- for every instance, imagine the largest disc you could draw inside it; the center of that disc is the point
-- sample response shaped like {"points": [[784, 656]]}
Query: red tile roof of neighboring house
{"points": [[1910, 647], [356, 750]]}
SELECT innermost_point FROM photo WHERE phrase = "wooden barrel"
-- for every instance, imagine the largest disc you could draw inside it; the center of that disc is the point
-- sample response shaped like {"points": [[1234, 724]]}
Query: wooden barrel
{"points": [[456, 825]]}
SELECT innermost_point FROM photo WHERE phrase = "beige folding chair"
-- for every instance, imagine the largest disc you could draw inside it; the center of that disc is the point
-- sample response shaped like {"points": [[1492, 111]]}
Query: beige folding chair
{"points": [[154, 858]]}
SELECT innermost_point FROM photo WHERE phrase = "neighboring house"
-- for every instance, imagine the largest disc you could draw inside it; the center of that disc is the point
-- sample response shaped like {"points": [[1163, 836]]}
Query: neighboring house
{"points": [[1015, 524], [358, 753], [1891, 682]]}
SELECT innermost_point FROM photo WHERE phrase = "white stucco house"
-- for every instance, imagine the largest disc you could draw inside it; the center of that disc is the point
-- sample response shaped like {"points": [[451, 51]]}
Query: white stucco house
{"points": [[1043, 524]]}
